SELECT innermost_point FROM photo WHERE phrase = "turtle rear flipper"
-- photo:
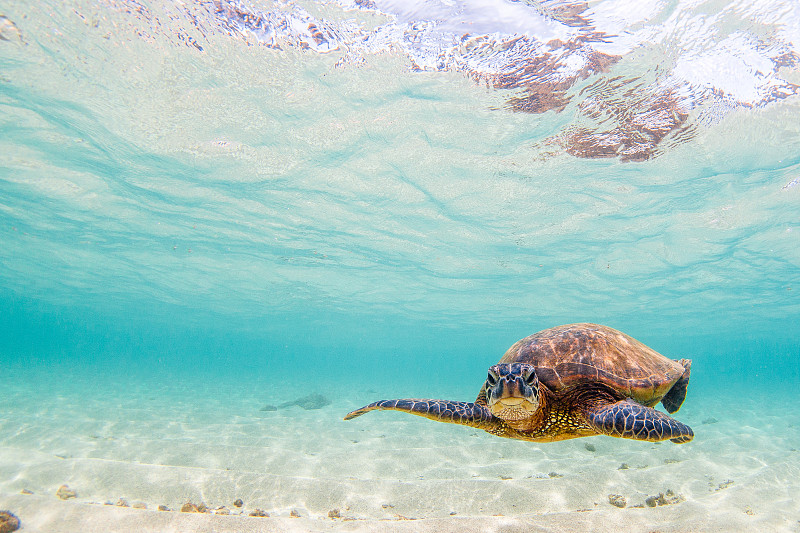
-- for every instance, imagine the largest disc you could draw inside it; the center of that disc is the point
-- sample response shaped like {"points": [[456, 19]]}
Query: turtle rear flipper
{"points": [[673, 399], [630, 420], [468, 414]]}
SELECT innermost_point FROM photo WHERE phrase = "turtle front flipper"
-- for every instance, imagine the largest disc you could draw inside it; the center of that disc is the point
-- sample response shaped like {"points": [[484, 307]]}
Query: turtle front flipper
{"points": [[630, 420], [468, 414]]}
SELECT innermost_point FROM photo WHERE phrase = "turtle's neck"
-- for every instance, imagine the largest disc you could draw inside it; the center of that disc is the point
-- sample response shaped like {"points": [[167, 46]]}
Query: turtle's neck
{"points": [[559, 416], [539, 417]]}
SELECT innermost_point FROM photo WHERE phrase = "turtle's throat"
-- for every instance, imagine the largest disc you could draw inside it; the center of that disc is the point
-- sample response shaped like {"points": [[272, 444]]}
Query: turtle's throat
{"points": [[519, 413]]}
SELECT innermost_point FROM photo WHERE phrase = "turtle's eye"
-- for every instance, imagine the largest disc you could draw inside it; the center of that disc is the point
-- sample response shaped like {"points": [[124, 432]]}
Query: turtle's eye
{"points": [[530, 377], [491, 379]]}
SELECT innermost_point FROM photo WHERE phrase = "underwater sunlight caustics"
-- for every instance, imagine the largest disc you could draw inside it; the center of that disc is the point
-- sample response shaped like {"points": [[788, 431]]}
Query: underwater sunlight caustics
{"points": [[570, 381]]}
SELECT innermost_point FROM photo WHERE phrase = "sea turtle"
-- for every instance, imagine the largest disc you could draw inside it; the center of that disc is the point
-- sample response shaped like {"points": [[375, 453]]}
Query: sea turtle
{"points": [[566, 382]]}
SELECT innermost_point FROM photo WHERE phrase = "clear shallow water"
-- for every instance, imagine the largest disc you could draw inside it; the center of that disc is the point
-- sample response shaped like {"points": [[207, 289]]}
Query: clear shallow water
{"points": [[259, 198], [385, 196]]}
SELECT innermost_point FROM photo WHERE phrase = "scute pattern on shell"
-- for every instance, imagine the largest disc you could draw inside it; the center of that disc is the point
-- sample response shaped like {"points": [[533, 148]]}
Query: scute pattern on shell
{"points": [[566, 354]]}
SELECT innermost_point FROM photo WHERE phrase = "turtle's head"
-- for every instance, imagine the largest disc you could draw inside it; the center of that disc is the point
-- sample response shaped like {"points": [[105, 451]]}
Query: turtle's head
{"points": [[512, 392]]}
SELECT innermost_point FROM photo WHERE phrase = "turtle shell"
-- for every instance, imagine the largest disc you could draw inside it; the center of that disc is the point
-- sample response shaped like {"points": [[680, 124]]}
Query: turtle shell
{"points": [[565, 355]]}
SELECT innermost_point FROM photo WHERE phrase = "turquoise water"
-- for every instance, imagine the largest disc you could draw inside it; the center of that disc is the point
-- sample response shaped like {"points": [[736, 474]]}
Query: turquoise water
{"points": [[379, 199], [256, 206]]}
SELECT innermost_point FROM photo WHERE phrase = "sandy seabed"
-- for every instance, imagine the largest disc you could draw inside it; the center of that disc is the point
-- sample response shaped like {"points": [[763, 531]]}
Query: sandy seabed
{"points": [[148, 445]]}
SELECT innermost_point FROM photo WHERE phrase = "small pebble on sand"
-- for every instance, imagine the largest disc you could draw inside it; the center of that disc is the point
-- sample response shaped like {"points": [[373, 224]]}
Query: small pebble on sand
{"points": [[238, 503], [190, 507], [669, 498], [652, 501], [725, 484], [259, 513], [65, 493], [617, 500], [8, 522]]}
